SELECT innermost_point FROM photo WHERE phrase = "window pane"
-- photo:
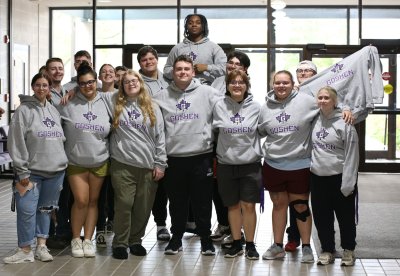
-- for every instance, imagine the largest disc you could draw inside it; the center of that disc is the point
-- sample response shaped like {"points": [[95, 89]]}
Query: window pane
{"points": [[381, 23], [72, 31], [110, 56], [376, 133], [304, 26], [233, 25], [150, 26], [108, 27]]}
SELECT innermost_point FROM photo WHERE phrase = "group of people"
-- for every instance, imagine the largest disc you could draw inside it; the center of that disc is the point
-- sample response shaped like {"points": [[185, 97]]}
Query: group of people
{"points": [[157, 135]]}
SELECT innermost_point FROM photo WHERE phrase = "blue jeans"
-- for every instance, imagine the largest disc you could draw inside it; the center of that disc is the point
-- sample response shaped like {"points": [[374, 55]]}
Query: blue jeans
{"points": [[35, 206]]}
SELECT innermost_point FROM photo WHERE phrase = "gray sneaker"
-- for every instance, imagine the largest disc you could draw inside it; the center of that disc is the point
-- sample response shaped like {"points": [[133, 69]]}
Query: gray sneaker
{"points": [[348, 258], [42, 254], [308, 256], [274, 252], [19, 257], [325, 258]]}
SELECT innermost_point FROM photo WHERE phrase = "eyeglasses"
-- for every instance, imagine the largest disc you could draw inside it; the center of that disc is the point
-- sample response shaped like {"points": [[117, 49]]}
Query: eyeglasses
{"points": [[301, 71], [39, 86], [133, 81], [84, 84], [237, 83]]}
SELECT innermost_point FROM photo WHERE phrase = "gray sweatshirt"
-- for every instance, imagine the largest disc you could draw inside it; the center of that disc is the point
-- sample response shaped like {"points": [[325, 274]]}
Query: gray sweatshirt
{"points": [[201, 52], [56, 97], [135, 142], [86, 125], [335, 150], [220, 84], [287, 127], [357, 79], [238, 138], [36, 139], [187, 118], [154, 86]]}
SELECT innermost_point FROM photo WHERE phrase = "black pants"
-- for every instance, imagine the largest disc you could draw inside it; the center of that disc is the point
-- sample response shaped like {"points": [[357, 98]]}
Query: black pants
{"points": [[220, 209], [105, 204], [159, 209], [327, 201], [190, 178]]}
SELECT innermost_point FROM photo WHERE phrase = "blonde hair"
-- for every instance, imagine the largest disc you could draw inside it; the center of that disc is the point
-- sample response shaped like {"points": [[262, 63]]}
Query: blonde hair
{"points": [[331, 91], [143, 99]]}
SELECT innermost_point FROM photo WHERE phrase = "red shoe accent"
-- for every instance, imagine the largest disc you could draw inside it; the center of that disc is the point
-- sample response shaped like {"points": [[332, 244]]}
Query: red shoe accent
{"points": [[291, 246]]}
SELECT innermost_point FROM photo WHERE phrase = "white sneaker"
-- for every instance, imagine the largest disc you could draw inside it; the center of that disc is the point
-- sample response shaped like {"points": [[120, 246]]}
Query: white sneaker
{"points": [[42, 253], [20, 256], [274, 252], [326, 258], [308, 256], [88, 249], [348, 258], [76, 248], [220, 233]]}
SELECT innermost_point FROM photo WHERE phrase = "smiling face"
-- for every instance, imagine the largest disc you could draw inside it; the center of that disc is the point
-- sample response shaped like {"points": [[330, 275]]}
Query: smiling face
{"points": [[283, 86], [55, 70], [107, 74], [303, 73], [131, 85], [326, 101], [148, 64], [41, 89], [232, 64], [88, 86], [183, 74], [237, 88]]}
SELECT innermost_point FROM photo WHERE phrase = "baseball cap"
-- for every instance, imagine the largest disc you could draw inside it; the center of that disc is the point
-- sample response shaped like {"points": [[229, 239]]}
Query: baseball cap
{"points": [[307, 64]]}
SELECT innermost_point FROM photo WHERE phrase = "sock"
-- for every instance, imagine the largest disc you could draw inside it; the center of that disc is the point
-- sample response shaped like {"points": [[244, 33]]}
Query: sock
{"points": [[305, 244], [279, 244], [249, 244]]}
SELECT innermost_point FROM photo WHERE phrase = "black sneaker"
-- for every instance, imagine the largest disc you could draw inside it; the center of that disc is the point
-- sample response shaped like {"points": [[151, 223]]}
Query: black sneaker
{"points": [[120, 253], [173, 247], [163, 235], [138, 250], [207, 247], [251, 252], [233, 252]]}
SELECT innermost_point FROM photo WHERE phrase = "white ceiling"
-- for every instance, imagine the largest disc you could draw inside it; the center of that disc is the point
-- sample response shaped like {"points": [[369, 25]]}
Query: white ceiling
{"points": [[83, 3]]}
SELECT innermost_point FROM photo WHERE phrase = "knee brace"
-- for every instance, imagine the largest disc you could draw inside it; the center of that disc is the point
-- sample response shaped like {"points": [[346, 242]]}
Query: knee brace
{"points": [[303, 215]]}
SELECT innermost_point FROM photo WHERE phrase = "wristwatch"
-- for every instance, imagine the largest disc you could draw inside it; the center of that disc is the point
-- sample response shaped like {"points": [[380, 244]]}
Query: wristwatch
{"points": [[24, 182]]}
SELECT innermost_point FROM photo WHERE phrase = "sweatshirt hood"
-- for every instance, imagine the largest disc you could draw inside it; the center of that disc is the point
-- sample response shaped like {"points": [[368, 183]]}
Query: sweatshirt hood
{"points": [[201, 41], [271, 97], [30, 100], [195, 83], [336, 113]]}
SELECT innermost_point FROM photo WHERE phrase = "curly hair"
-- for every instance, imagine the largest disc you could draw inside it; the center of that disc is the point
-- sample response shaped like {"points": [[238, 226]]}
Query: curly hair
{"points": [[204, 25], [143, 99]]}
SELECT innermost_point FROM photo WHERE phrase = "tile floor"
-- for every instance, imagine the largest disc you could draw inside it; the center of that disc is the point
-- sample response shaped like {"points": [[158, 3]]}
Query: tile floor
{"points": [[188, 262]]}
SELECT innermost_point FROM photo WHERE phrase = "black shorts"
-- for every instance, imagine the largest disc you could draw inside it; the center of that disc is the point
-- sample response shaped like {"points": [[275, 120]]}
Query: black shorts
{"points": [[239, 183], [294, 182]]}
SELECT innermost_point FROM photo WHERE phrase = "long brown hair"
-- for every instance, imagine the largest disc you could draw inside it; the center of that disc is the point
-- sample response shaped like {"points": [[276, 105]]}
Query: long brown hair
{"points": [[143, 99]]}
